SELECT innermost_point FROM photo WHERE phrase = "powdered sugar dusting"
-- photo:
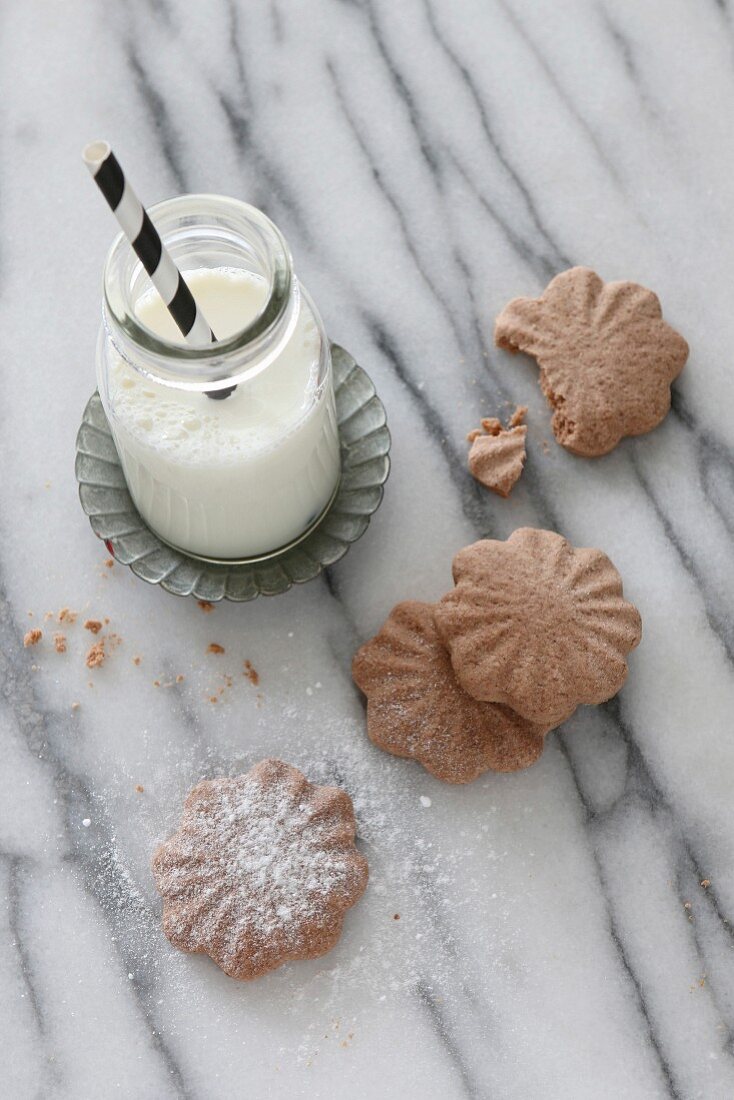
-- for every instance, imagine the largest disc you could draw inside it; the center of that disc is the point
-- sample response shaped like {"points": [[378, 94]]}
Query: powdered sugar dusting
{"points": [[261, 869]]}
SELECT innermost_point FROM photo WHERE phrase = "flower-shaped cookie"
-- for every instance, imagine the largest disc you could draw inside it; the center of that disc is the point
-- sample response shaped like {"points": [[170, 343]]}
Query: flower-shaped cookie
{"points": [[606, 356], [537, 625], [416, 708], [261, 870]]}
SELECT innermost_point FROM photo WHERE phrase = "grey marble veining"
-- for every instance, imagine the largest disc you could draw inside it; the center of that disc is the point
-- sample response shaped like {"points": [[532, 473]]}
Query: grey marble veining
{"points": [[427, 161]]}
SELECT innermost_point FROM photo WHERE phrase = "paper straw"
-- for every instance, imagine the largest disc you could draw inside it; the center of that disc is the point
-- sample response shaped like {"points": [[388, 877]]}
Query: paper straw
{"points": [[152, 253]]}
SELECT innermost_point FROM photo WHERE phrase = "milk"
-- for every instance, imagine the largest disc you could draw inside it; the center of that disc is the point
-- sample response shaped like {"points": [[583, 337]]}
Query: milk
{"points": [[233, 478]]}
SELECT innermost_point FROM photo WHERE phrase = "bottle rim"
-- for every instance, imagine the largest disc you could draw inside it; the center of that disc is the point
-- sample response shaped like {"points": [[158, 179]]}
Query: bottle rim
{"points": [[201, 225]]}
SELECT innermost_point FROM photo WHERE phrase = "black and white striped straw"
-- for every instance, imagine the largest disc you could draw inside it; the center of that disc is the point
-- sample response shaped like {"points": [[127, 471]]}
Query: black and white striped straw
{"points": [[152, 253]]}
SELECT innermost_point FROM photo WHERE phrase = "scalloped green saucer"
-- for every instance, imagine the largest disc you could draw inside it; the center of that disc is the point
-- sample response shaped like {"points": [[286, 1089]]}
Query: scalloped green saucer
{"points": [[365, 464]]}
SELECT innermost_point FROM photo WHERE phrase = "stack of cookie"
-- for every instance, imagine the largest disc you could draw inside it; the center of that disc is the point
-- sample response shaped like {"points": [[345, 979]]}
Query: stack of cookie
{"points": [[532, 629]]}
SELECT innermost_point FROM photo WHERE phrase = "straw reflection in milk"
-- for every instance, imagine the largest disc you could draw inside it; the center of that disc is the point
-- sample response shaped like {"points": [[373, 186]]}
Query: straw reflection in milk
{"points": [[238, 477]]}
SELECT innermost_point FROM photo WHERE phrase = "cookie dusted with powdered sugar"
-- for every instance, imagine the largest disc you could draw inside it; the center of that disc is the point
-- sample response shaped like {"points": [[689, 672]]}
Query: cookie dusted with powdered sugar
{"points": [[416, 708], [261, 870], [606, 356]]}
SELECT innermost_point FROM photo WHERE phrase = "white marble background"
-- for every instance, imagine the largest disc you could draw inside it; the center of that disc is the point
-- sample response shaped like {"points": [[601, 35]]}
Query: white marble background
{"points": [[427, 160]]}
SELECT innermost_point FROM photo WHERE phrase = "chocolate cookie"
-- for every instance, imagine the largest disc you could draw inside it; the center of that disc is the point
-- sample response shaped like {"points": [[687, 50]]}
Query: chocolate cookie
{"points": [[260, 871], [416, 708], [537, 625], [606, 356], [496, 459]]}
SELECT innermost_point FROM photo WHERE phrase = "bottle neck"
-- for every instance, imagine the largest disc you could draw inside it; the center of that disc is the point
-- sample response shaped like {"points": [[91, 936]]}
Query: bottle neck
{"points": [[205, 231]]}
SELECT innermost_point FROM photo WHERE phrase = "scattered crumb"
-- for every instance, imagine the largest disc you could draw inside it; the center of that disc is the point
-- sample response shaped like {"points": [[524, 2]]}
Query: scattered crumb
{"points": [[94, 625], [75, 706], [33, 637], [137, 660], [518, 417], [687, 905], [60, 643], [396, 916], [109, 562], [491, 425], [214, 647], [213, 699], [156, 683], [206, 606], [30, 614], [180, 678], [705, 882], [97, 656], [47, 616], [251, 673], [139, 789], [66, 615]]}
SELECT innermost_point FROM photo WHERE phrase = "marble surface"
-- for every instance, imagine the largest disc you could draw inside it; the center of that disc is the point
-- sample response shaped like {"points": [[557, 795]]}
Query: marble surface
{"points": [[427, 160]]}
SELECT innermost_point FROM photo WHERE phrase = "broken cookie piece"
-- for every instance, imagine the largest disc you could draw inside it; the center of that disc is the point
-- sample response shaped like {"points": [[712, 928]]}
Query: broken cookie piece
{"points": [[607, 358], [497, 455]]}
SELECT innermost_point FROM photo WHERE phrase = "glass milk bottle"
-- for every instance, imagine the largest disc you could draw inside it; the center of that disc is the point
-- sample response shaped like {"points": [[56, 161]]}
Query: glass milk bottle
{"points": [[230, 451]]}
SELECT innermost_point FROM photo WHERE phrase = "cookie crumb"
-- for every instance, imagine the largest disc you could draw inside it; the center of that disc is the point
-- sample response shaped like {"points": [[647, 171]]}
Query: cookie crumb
{"points": [[251, 673], [180, 678], [109, 562], [518, 417], [139, 789], [213, 699], [75, 706], [156, 683], [491, 425], [687, 905], [137, 660], [496, 460], [396, 916], [60, 643], [94, 625], [66, 615], [705, 882], [33, 637], [96, 656], [214, 647], [205, 606]]}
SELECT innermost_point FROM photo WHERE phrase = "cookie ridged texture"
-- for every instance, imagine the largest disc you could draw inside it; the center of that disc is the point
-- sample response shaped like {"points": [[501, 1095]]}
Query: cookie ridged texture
{"points": [[537, 625], [497, 460], [260, 871], [606, 356], [416, 708]]}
